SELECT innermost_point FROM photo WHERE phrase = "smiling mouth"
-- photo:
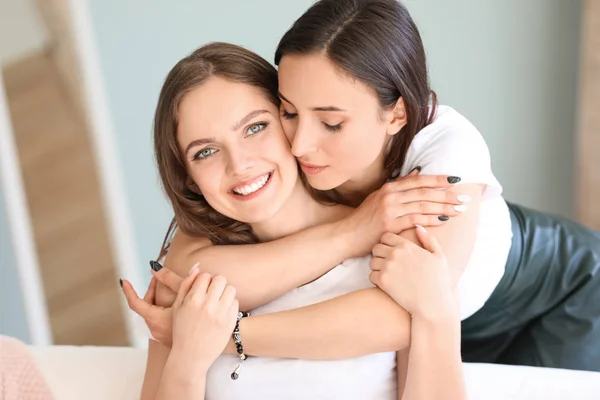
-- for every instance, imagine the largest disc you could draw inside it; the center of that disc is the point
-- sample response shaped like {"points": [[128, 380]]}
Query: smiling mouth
{"points": [[247, 190]]}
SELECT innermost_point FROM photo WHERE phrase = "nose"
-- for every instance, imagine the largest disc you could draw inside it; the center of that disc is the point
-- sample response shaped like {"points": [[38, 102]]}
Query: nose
{"points": [[239, 162], [304, 141]]}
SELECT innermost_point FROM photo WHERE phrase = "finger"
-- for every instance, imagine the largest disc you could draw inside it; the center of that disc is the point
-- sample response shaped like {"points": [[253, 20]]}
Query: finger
{"points": [[234, 309], [201, 285], [428, 208], [410, 221], [381, 250], [228, 296], [392, 239], [137, 305], [423, 181], [415, 171], [168, 278], [185, 287], [376, 264], [216, 288], [374, 277], [428, 241], [432, 195], [151, 292]]}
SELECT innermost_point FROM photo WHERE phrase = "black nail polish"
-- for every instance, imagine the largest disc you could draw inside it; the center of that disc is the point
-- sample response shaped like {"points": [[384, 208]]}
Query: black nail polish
{"points": [[443, 218], [415, 168], [155, 266], [453, 179], [121, 282]]}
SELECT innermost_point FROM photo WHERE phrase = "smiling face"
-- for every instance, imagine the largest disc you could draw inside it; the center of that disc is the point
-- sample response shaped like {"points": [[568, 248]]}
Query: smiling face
{"points": [[336, 126], [235, 150]]}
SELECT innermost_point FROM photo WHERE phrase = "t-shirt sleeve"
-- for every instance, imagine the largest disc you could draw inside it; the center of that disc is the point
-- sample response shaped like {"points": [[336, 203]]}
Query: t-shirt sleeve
{"points": [[451, 145]]}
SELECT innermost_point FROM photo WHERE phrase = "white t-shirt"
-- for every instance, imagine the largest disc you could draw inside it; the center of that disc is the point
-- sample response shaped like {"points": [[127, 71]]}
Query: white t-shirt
{"points": [[451, 145], [370, 377]]}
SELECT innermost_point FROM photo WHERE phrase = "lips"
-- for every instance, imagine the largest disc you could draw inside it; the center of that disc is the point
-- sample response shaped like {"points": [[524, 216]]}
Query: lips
{"points": [[251, 186], [311, 169]]}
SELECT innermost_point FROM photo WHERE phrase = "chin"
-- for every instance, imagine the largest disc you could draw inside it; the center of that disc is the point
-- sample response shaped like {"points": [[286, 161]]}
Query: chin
{"points": [[323, 182]]}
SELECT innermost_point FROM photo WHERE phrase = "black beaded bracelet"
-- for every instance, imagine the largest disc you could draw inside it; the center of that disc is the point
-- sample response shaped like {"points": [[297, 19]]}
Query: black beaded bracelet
{"points": [[237, 339]]}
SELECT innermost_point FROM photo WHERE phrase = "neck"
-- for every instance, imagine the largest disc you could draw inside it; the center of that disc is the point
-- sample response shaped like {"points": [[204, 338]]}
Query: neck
{"points": [[299, 212], [355, 190]]}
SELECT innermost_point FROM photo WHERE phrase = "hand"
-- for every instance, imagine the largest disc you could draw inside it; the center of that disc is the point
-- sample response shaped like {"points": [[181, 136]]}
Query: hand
{"points": [[204, 315], [402, 204], [418, 279], [158, 318]]}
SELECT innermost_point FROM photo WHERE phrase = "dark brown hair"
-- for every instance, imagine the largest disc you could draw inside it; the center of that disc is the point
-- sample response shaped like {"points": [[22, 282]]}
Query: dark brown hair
{"points": [[193, 215], [376, 42]]}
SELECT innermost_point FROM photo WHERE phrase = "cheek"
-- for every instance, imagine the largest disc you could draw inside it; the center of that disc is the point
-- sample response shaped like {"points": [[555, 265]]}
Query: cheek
{"points": [[289, 128], [207, 179], [358, 147]]}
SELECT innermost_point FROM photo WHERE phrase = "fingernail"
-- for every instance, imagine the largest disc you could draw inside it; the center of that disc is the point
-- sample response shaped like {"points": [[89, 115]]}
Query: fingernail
{"points": [[121, 282], [421, 228], [453, 179], [443, 218], [463, 198], [394, 175], [462, 208], [415, 168], [155, 266], [194, 268]]}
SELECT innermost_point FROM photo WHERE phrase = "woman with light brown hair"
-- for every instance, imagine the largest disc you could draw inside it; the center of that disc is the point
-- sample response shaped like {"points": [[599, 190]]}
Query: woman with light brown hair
{"points": [[227, 168]]}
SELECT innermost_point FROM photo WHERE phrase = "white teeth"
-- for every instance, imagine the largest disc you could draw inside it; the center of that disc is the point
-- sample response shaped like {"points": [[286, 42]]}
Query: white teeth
{"points": [[249, 189]]}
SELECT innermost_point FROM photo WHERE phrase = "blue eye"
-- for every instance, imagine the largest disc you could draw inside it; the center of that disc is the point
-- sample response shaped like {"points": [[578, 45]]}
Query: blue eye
{"points": [[204, 153], [254, 129]]}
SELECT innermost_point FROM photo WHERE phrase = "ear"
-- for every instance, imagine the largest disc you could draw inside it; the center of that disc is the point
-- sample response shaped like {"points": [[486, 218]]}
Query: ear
{"points": [[396, 118]]}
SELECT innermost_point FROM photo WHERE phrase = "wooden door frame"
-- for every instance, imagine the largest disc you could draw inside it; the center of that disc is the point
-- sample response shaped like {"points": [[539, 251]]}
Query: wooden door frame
{"points": [[587, 157]]}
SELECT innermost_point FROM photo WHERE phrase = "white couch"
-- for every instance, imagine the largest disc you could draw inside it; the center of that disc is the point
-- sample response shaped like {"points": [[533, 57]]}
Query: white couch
{"points": [[116, 373]]}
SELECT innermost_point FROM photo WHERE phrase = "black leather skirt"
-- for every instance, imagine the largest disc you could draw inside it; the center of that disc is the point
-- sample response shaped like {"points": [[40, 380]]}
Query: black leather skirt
{"points": [[546, 309]]}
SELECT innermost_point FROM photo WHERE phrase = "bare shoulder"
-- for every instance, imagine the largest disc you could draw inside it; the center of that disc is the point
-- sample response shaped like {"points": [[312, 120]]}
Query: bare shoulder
{"points": [[181, 252]]}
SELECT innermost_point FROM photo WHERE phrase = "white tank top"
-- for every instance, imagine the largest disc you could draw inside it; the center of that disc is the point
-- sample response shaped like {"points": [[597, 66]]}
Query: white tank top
{"points": [[370, 377]]}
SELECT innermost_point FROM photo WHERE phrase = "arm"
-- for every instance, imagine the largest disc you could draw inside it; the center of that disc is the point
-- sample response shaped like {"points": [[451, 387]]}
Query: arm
{"points": [[434, 362], [457, 236], [205, 312], [364, 322], [256, 270], [166, 378]]}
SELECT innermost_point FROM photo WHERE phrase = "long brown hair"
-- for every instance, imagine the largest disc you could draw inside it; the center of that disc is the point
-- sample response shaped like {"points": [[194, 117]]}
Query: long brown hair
{"points": [[377, 42], [193, 215]]}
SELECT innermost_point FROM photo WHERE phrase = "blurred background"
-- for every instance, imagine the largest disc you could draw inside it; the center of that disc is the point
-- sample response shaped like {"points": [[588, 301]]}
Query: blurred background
{"points": [[80, 199]]}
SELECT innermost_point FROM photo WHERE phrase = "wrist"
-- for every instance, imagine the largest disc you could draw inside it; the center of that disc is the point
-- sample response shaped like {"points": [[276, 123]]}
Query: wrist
{"points": [[185, 363], [348, 236]]}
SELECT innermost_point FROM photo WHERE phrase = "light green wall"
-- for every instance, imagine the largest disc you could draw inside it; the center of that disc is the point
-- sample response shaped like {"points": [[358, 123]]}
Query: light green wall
{"points": [[511, 67]]}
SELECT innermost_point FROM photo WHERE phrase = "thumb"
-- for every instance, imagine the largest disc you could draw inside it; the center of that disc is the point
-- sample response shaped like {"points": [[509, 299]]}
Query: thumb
{"points": [[428, 241]]}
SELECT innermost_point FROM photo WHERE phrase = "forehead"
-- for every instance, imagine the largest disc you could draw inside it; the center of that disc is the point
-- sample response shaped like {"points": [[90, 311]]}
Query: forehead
{"points": [[313, 80], [218, 104]]}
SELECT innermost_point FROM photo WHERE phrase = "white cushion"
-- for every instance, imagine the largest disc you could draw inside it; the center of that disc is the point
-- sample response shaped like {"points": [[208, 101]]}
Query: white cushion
{"points": [[101, 373]]}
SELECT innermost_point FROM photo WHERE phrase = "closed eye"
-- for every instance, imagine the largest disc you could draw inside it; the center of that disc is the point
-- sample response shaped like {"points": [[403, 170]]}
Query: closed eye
{"points": [[333, 128], [288, 115]]}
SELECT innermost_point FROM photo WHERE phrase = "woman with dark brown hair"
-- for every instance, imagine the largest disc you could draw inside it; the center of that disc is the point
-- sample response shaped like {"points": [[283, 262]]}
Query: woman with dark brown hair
{"points": [[226, 165]]}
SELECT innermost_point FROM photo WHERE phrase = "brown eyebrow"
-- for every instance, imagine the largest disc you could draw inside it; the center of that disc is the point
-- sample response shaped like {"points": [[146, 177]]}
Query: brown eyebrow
{"points": [[198, 142], [324, 108], [247, 118]]}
